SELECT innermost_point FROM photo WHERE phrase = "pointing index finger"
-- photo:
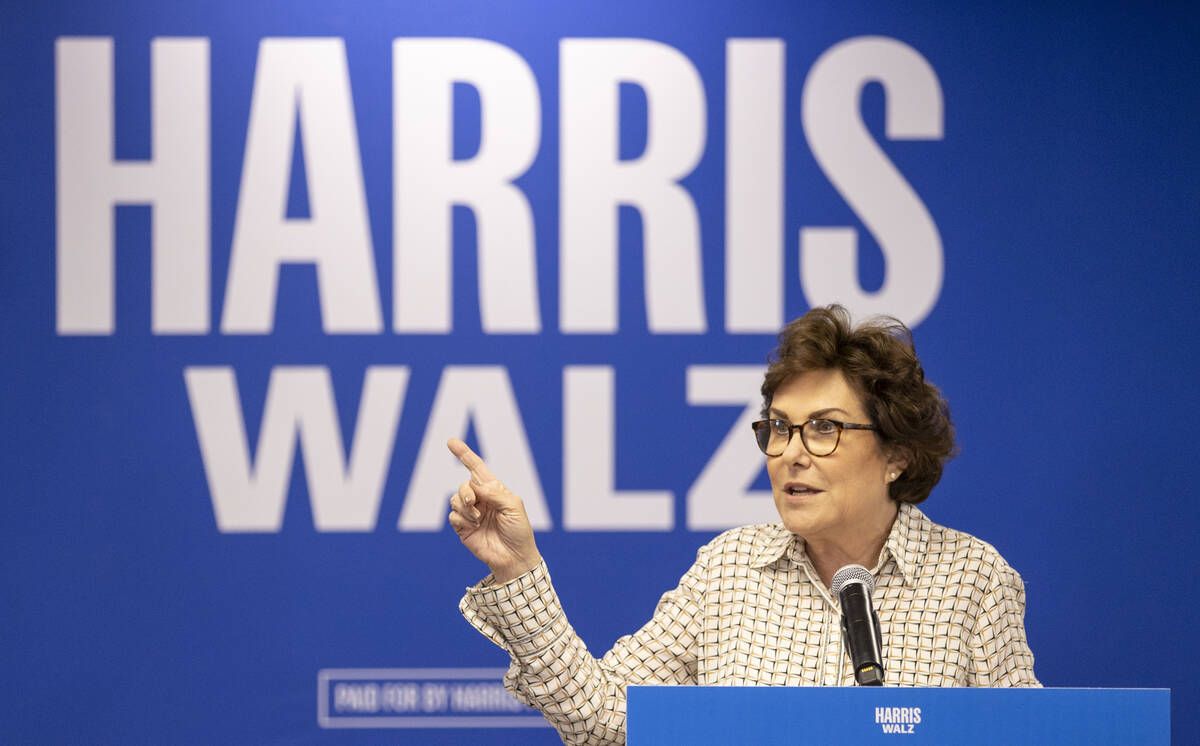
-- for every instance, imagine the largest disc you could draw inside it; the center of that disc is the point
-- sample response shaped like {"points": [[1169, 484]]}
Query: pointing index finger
{"points": [[480, 473]]}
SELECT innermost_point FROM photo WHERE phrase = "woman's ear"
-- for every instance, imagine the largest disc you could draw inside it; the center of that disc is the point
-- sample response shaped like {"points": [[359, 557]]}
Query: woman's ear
{"points": [[898, 459]]}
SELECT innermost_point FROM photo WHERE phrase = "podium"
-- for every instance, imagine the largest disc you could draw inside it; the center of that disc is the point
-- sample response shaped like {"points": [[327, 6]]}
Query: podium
{"points": [[697, 715]]}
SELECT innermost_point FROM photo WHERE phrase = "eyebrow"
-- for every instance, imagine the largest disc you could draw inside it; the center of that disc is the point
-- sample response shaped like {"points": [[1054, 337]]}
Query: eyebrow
{"points": [[811, 415]]}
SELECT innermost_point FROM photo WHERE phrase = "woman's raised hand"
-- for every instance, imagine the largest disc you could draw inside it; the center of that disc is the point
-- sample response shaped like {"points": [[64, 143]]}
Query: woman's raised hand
{"points": [[490, 520]]}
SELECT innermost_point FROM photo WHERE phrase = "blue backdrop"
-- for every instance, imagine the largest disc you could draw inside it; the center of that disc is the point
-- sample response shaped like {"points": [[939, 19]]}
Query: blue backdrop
{"points": [[261, 259]]}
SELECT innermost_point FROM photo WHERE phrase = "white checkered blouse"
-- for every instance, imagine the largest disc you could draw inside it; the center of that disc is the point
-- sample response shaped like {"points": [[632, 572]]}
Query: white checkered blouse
{"points": [[752, 610]]}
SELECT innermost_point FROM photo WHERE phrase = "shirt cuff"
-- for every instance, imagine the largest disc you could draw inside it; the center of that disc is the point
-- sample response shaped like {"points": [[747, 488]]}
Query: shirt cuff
{"points": [[522, 615]]}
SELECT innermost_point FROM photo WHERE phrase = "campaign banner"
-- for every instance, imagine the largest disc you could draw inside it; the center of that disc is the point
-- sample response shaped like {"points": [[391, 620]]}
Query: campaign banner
{"points": [[262, 260]]}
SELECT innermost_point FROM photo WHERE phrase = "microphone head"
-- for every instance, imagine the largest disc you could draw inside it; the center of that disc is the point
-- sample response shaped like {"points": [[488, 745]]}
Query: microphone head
{"points": [[851, 574]]}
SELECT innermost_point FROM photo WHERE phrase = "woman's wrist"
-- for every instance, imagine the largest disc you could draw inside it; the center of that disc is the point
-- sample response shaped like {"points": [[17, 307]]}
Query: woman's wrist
{"points": [[510, 571]]}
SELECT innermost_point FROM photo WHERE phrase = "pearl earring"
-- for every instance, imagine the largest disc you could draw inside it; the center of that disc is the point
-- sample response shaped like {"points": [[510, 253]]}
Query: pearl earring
{"points": [[893, 476]]}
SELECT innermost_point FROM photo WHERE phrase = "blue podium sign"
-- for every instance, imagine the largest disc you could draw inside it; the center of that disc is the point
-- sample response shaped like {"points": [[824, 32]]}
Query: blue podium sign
{"points": [[724, 715]]}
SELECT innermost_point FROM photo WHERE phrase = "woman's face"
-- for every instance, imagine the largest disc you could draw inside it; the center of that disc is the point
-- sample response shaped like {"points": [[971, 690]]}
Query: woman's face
{"points": [[840, 497]]}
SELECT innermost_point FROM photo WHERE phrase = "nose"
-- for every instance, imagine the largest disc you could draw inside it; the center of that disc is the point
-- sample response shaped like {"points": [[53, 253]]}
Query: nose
{"points": [[796, 453]]}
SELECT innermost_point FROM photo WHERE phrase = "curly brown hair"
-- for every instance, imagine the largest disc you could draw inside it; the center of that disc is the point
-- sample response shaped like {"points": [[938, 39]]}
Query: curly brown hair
{"points": [[878, 360]]}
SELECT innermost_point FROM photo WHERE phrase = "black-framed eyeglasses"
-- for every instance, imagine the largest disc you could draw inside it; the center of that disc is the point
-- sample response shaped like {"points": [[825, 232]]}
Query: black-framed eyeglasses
{"points": [[820, 436]]}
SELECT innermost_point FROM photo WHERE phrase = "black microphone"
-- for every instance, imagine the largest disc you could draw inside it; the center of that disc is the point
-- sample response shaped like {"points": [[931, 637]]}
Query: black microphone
{"points": [[853, 585]]}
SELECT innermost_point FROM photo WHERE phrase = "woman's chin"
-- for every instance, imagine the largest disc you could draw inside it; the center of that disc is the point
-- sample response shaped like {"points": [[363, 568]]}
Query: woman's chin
{"points": [[797, 518]]}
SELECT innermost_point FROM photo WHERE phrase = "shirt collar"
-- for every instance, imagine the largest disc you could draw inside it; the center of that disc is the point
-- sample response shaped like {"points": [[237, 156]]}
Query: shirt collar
{"points": [[906, 543], [779, 541]]}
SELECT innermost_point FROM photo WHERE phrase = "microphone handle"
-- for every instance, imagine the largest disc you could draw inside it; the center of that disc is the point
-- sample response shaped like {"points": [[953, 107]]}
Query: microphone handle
{"points": [[860, 630]]}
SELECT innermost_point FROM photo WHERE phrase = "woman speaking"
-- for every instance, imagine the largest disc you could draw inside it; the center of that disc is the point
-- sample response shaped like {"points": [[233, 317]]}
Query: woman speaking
{"points": [[854, 437]]}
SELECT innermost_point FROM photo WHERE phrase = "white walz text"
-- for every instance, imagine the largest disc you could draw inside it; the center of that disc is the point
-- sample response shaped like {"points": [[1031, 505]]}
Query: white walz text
{"points": [[345, 493]]}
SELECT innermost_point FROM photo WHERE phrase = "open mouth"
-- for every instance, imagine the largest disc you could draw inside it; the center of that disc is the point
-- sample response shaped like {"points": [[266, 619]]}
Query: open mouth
{"points": [[801, 491]]}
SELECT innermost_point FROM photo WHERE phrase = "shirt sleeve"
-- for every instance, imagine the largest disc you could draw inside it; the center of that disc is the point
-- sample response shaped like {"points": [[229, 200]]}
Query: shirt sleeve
{"points": [[552, 670], [1000, 653]]}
